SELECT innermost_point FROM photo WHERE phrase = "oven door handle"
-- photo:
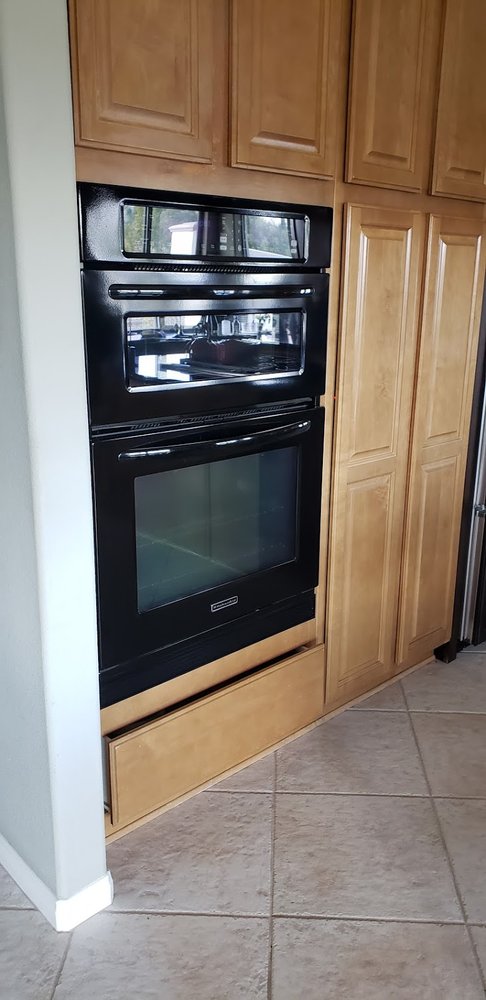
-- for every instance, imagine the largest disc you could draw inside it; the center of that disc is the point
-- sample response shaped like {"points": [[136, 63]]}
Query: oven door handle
{"points": [[210, 447]]}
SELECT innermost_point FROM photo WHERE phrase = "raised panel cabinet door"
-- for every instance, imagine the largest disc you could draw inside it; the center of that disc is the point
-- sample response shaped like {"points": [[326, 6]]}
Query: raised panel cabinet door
{"points": [[460, 152], [395, 52], [448, 348], [383, 262], [285, 56], [144, 75]]}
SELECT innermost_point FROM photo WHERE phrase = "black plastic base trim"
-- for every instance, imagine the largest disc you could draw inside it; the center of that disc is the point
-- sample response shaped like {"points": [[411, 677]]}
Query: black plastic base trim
{"points": [[127, 679]]}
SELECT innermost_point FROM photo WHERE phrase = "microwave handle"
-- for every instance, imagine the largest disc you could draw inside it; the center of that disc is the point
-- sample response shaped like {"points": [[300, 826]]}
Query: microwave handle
{"points": [[276, 433]]}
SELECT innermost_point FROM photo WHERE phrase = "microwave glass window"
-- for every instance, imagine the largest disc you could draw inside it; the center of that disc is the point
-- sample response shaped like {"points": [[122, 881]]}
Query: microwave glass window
{"points": [[161, 349], [160, 230], [208, 525], [273, 236], [172, 231]]}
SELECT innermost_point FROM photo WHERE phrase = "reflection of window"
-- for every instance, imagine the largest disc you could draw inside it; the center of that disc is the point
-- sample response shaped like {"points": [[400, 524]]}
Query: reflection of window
{"points": [[157, 230], [160, 229], [271, 235]]}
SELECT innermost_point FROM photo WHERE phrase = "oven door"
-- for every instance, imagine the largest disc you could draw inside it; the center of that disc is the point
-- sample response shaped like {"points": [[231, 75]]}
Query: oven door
{"points": [[163, 344], [197, 529]]}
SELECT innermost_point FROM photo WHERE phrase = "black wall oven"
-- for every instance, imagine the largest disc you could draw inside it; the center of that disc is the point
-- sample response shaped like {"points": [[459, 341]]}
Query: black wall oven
{"points": [[205, 326], [199, 530]]}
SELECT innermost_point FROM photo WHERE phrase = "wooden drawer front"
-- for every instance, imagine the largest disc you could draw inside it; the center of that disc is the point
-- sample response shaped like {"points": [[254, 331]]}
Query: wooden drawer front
{"points": [[167, 758]]}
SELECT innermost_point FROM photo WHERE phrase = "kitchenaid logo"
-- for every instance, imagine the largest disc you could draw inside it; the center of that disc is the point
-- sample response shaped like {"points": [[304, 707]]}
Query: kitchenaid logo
{"points": [[228, 603]]}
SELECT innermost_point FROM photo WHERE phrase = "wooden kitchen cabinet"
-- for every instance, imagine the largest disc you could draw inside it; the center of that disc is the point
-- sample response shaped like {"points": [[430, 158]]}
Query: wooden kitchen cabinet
{"points": [[143, 75], [460, 152], [448, 346], [394, 64], [382, 268], [285, 57]]}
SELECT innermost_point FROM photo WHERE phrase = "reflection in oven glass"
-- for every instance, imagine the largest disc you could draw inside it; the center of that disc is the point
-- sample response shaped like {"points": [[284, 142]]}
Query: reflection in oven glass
{"points": [[191, 347], [211, 524]]}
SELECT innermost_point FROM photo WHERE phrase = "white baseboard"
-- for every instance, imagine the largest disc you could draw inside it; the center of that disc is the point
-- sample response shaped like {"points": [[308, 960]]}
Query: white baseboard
{"points": [[63, 914]]}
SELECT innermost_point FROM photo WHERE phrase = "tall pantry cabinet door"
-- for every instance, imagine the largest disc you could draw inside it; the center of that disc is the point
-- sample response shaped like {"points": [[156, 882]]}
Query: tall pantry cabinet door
{"points": [[395, 51], [449, 336], [285, 56], [460, 152], [144, 75], [384, 252]]}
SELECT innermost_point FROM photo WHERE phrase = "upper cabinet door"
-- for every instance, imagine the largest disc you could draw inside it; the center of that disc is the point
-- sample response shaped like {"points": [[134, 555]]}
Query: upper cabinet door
{"points": [[285, 57], [393, 84], [448, 349], [145, 76], [460, 152], [382, 268]]}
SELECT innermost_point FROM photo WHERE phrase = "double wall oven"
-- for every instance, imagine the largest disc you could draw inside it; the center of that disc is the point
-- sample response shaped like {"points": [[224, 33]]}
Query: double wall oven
{"points": [[205, 326]]}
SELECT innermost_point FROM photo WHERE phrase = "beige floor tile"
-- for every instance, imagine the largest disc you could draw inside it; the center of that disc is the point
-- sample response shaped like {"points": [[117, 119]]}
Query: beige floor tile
{"points": [[370, 752], [453, 749], [341, 960], [361, 856], [259, 777], [10, 894], [142, 957], [211, 854], [464, 826], [31, 953], [479, 937], [481, 648], [389, 700], [449, 687]]}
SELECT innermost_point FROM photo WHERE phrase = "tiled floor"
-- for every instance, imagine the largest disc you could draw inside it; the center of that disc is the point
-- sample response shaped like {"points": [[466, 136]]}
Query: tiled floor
{"points": [[351, 865]]}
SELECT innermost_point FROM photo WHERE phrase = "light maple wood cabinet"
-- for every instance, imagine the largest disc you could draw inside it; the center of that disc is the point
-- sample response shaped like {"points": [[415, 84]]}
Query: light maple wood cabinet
{"points": [[143, 75], [460, 152], [151, 77], [447, 361], [285, 59], [399, 469], [394, 66], [383, 262]]}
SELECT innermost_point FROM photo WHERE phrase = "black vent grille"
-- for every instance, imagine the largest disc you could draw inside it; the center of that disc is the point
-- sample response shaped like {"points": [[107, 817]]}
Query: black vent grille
{"points": [[213, 268]]}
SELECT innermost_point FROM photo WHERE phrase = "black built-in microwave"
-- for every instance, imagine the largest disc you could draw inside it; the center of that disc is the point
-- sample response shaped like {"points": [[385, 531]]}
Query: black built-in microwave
{"points": [[197, 304]]}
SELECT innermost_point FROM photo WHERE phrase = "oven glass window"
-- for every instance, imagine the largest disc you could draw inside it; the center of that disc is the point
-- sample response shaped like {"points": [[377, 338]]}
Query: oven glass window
{"points": [[193, 347], [208, 525], [170, 230]]}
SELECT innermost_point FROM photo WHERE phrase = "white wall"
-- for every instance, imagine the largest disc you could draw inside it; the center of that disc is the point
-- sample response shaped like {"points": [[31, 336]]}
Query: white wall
{"points": [[51, 810]]}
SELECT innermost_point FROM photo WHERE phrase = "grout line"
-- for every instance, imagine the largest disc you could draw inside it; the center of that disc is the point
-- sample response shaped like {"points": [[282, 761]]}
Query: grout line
{"points": [[186, 913], [18, 909], [381, 711], [420, 711], [368, 795], [444, 711], [293, 916], [239, 791], [355, 795], [61, 967], [272, 880], [446, 851], [338, 917], [236, 791]]}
